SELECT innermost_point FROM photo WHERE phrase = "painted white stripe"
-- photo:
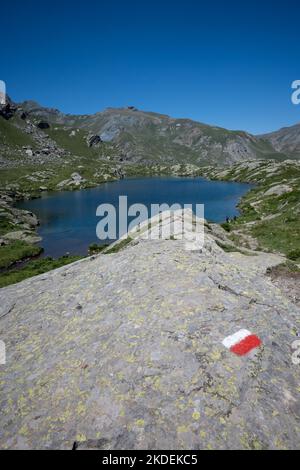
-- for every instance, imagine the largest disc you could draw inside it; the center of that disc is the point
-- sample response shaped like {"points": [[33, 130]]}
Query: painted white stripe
{"points": [[235, 338]]}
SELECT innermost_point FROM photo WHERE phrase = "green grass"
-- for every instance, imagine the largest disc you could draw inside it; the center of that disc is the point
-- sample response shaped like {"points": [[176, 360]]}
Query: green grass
{"points": [[85, 166], [94, 248], [76, 144], [6, 226], [284, 268], [278, 234], [119, 246], [226, 226], [12, 136], [282, 233], [231, 249], [294, 255], [91, 163], [33, 268], [17, 251]]}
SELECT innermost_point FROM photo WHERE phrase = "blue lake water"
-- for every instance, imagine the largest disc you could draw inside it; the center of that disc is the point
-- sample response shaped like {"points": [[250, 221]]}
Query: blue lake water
{"points": [[68, 219]]}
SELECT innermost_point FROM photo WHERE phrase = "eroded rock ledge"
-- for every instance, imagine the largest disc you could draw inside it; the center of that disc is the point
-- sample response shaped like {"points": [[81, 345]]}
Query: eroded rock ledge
{"points": [[125, 351]]}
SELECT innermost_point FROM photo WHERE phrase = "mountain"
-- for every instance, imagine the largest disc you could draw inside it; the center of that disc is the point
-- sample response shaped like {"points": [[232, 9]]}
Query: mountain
{"points": [[143, 137], [33, 134], [286, 140]]}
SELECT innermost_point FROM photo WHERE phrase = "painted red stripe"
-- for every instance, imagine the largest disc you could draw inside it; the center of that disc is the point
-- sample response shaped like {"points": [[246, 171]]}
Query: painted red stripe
{"points": [[246, 345]]}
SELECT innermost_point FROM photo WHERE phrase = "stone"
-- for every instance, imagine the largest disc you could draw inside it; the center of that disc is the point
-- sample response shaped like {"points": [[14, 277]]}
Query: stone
{"points": [[278, 190], [94, 140], [62, 183], [76, 177], [141, 364], [29, 152], [8, 109], [43, 125], [25, 236]]}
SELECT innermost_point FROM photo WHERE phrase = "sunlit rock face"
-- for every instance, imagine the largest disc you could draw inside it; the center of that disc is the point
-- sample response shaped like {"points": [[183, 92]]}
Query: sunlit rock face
{"points": [[124, 351]]}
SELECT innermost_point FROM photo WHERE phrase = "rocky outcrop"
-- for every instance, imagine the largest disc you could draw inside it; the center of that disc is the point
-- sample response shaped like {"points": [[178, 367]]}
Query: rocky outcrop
{"points": [[286, 140], [94, 140], [23, 235], [75, 180], [278, 190], [125, 350], [43, 125], [8, 109], [147, 137]]}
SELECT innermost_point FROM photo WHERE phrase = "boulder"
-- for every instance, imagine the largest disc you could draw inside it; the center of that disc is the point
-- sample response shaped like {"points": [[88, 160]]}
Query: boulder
{"points": [[75, 180], [43, 125], [29, 152], [278, 190], [25, 236], [7, 110], [62, 183], [94, 140], [76, 177], [129, 346]]}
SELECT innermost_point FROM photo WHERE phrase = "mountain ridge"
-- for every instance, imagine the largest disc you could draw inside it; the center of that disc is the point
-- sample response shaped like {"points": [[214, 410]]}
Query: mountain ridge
{"points": [[286, 139], [134, 137], [145, 136]]}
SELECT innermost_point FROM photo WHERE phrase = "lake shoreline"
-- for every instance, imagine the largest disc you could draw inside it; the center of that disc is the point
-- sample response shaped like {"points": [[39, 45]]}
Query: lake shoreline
{"points": [[251, 172], [31, 252], [68, 219]]}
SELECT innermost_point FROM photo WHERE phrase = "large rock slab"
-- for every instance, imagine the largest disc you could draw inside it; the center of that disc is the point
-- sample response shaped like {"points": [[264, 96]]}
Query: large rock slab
{"points": [[278, 190], [125, 350]]}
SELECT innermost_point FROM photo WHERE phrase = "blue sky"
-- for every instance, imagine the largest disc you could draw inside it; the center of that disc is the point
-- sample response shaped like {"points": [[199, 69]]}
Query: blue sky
{"points": [[228, 63]]}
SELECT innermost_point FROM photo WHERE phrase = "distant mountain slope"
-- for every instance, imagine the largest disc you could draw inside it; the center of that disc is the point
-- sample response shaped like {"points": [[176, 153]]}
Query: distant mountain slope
{"points": [[286, 140], [145, 137]]}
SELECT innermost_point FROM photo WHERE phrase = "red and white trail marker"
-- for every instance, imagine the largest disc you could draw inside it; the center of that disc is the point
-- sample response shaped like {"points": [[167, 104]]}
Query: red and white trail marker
{"points": [[241, 342]]}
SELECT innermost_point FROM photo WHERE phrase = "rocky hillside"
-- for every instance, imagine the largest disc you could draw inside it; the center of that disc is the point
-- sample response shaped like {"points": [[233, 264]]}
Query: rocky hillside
{"points": [[286, 140], [137, 362], [136, 137], [44, 150], [270, 212]]}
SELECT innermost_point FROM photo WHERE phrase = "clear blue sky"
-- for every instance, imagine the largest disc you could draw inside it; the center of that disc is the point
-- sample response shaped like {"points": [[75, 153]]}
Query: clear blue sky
{"points": [[229, 63]]}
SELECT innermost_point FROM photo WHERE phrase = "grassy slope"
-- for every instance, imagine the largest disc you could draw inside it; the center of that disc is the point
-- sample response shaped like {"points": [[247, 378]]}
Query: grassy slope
{"points": [[75, 144], [33, 268], [278, 234], [281, 233], [17, 251], [162, 139], [90, 163], [273, 220], [12, 136]]}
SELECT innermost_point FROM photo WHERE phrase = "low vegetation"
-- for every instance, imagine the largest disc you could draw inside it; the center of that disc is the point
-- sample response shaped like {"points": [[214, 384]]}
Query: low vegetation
{"points": [[270, 211], [272, 219], [33, 268], [118, 246], [287, 268], [94, 248], [17, 251], [12, 136]]}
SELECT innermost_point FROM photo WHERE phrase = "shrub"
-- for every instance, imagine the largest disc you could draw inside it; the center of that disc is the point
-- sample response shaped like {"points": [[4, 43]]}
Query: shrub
{"points": [[94, 248], [226, 226], [294, 254]]}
